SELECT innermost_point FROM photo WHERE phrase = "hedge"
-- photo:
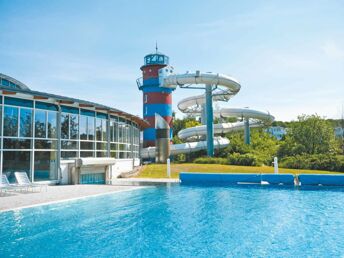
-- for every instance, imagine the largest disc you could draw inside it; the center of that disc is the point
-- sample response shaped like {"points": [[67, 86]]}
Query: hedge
{"points": [[232, 159], [208, 160], [316, 161]]}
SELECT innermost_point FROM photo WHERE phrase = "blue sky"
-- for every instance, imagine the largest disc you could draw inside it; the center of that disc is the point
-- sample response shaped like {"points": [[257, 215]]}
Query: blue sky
{"points": [[288, 55]]}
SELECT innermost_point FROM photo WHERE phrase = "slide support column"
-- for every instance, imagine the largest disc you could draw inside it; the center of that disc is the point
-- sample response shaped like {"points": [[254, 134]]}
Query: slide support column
{"points": [[204, 115], [247, 131], [210, 118]]}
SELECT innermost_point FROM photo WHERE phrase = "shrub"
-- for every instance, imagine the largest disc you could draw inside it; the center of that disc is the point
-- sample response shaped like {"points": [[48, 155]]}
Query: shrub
{"points": [[209, 160], [316, 161], [233, 159], [244, 159]]}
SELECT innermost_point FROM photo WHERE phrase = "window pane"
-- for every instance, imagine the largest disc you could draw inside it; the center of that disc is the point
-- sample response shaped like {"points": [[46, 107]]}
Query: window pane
{"points": [[90, 128], [101, 154], [86, 154], [0, 115], [99, 129], [69, 145], [17, 143], [116, 132], [104, 129], [101, 146], [86, 145], [45, 166], [83, 127], [114, 155], [11, 121], [112, 129], [121, 146], [16, 161], [126, 134], [120, 133], [74, 126], [40, 126], [18, 102], [25, 122], [114, 146], [45, 144], [68, 154], [5, 82], [46, 106], [64, 126], [52, 125]]}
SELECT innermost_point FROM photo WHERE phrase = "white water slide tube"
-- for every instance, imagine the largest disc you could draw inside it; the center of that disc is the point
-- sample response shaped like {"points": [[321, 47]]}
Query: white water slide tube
{"points": [[226, 88], [187, 147], [257, 116]]}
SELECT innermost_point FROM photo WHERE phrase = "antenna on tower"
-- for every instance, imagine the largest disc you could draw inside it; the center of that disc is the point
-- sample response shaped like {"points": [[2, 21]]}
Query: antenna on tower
{"points": [[156, 46]]}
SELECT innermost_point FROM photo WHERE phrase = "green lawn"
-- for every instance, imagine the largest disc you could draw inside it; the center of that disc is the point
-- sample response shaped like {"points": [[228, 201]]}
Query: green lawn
{"points": [[159, 170]]}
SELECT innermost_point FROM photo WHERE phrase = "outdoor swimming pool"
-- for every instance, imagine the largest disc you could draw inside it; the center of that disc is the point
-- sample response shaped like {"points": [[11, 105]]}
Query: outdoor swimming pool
{"points": [[182, 221]]}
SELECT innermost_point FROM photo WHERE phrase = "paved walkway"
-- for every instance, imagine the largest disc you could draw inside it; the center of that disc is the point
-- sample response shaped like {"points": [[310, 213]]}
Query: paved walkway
{"points": [[16, 200]]}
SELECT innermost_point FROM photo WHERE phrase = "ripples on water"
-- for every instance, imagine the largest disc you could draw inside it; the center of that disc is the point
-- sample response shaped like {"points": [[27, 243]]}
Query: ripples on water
{"points": [[182, 222]]}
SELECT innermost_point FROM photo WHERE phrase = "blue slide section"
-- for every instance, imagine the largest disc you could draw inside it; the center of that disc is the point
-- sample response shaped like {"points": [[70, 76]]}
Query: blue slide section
{"points": [[161, 109]]}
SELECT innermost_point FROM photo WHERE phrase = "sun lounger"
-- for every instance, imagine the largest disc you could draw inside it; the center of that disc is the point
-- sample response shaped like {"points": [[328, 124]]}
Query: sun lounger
{"points": [[23, 180], [6, 186]]}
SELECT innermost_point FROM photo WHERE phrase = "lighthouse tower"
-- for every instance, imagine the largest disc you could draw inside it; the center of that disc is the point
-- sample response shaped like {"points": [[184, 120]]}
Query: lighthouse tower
{"points": [[155, 99]]}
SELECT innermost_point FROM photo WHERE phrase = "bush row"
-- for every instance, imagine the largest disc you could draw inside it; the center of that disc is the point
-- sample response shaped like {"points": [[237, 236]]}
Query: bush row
{"points": [[315, 161], [208, 160], [232, 159]]}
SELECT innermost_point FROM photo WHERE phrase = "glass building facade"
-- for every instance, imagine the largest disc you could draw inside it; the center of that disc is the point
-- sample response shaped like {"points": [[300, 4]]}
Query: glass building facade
{"points": [[36, 134]]}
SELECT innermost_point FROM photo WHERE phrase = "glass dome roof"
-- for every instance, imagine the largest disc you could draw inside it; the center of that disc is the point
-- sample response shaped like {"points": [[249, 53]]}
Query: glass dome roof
{"points": [[8, 81]]}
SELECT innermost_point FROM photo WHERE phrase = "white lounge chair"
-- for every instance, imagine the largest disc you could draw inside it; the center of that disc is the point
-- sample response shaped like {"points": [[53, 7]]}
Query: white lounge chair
{"points": [[23, 180], [6, 186], [3, 186]]}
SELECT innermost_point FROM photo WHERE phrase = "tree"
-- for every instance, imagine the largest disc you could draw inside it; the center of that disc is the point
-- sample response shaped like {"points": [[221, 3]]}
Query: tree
{"points": [[341, 125], [191, 123], [263, 145], [310, 135], [179, 124]]}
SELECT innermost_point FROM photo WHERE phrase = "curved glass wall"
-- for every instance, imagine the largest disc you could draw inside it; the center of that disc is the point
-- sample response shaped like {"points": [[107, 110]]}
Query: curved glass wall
{"points": [[34, 133]]}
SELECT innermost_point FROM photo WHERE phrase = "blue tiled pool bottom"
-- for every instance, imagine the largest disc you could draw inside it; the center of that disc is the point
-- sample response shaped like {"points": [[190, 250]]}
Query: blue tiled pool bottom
{"points": [[182, 221]]}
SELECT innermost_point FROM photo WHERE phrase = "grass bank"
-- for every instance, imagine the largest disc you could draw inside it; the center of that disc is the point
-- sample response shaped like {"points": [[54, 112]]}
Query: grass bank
{"points": [[159, 170]]}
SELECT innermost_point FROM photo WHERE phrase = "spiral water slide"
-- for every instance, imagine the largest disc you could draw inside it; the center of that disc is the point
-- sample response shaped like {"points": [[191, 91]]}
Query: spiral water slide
{"points": [[226, 87]]}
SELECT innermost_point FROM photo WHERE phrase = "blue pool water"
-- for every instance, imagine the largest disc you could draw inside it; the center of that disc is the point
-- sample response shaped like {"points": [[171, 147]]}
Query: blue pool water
{"points": [[182, 221]]}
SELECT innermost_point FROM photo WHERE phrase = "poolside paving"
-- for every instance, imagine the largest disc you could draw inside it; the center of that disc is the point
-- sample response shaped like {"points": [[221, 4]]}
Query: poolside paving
{"points": [[57, 193]]}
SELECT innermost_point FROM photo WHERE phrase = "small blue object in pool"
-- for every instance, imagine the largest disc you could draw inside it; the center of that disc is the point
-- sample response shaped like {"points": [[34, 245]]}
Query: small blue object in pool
{"points": [[182, 221]]}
